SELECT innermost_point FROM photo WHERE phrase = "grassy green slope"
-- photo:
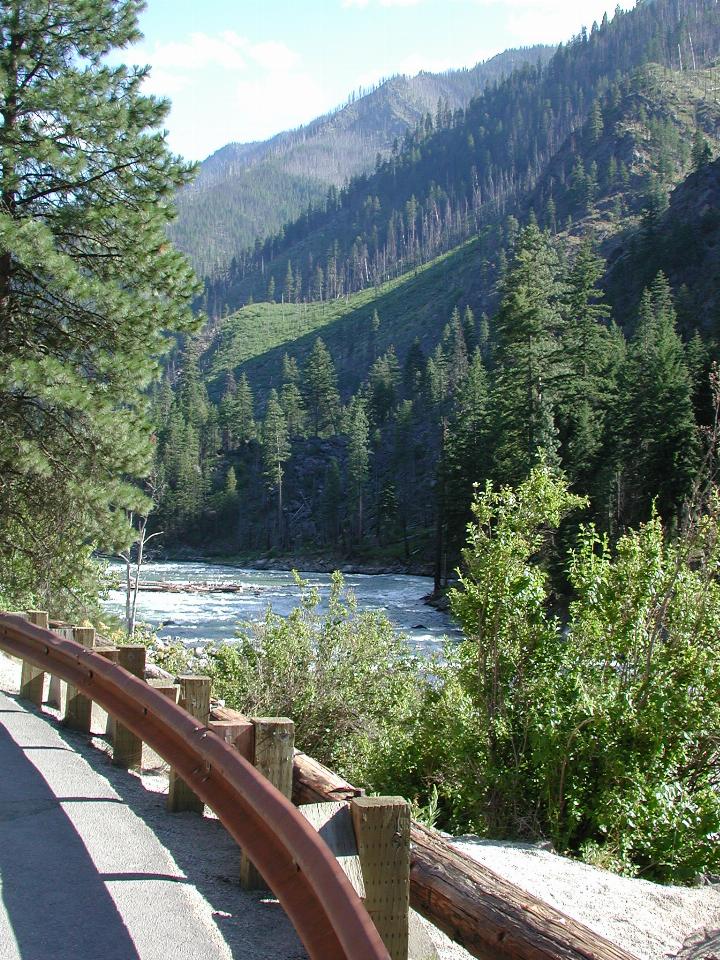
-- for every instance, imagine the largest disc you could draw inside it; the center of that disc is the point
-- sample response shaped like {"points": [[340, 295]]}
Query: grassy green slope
{"points": [[418, 304]]}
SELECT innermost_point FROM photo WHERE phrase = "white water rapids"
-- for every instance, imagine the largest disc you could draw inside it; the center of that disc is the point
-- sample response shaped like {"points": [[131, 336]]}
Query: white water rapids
{"points": [[200, 617]]}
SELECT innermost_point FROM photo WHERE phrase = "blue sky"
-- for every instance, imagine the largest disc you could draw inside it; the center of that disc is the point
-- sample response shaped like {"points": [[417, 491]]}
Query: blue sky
{"points": [[242, 70]]}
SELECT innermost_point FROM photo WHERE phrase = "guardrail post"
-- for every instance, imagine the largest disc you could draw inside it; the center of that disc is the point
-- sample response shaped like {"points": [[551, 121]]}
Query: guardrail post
{"points": [[32, 678], [195, 698], [273, 757], [168, 688], [54, 697], [78, 707], [109, 652], [382, 834], [127, 748]]}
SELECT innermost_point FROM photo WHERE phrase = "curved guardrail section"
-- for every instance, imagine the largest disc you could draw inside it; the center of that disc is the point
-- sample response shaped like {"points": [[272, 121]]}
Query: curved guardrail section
{"points": [[294, 861]]}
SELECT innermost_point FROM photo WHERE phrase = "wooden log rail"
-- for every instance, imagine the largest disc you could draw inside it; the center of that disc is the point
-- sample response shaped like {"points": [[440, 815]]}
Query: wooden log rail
{"points": [[296, 863], [492, 918]]}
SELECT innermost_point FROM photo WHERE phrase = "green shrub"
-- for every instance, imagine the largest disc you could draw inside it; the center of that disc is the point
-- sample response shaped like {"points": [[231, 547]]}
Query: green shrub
{"points": [[602, 733], [352, 687]]}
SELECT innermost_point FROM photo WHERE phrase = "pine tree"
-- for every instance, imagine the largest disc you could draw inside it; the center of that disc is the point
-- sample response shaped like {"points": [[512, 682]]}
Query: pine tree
{"points": [[227, 413], [383, 384], [276, 452], [320, 388], [413, 368], [89, 288], [701, 153], [358, 430], [525, 378], [583, 381], [291, 398], [467, 453], [659, 444], [192, 393], [243, 411], [330, 501]]}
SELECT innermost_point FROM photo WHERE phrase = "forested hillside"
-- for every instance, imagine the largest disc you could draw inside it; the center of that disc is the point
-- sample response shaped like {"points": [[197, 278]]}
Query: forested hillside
{"points": [[555, 294], [246, 191], [461, 170]]}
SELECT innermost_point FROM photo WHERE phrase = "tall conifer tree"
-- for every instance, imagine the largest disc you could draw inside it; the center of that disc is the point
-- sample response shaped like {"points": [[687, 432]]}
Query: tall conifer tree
{"points": [[657, 423], [89, 286], [525, 388]]}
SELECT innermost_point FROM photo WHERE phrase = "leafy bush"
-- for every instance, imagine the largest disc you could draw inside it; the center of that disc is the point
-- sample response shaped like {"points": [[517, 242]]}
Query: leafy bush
{"points": [[351, 685], [601, 733]]}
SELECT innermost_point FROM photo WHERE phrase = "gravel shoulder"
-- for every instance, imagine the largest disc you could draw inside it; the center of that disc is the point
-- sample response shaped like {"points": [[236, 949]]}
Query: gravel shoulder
{"points": [[652, 922]]}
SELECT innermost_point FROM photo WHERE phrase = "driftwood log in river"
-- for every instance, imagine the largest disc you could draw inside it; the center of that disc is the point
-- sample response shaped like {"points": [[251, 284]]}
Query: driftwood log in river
{"points": [[166, 586]]}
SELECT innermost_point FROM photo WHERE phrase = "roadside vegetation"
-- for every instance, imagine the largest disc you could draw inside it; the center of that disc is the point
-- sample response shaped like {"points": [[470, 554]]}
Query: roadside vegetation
{"points": [[596, 729]]}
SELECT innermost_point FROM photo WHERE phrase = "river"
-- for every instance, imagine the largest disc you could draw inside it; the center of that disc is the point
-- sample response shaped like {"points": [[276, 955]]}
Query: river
{"points": [[201, 617]]}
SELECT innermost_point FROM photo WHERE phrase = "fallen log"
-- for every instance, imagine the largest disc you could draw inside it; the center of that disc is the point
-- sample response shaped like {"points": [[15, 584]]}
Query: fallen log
{"points": [[492, 918], [167, 586]]}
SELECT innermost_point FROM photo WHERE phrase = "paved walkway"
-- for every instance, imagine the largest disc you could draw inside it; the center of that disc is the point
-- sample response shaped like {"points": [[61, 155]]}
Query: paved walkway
{"points": [[92, 867]]}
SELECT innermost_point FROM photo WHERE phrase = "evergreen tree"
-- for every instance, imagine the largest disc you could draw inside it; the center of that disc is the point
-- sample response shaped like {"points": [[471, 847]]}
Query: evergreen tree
{"points": [[244, 427], [275, 452], [583, 382], [330, 501], [467, 453], [701, 153], [320, 388], [413, 368], [89, 289], [192, 393], [358, 431], [659, 444], [525, 378], [291, 398], [227, 413], [383, 383]]}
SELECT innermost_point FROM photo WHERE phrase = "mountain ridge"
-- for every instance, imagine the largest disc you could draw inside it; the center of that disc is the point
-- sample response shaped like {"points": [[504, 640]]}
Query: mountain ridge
{"points": [[236, 195]]}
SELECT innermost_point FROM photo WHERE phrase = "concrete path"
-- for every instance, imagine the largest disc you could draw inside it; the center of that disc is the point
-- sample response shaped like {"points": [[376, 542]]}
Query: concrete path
{"points": [[92, 867]]}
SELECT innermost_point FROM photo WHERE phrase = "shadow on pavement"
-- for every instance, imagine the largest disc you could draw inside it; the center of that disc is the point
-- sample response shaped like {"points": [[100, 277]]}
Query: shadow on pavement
{"points": [[55, 899], [252, 924]]}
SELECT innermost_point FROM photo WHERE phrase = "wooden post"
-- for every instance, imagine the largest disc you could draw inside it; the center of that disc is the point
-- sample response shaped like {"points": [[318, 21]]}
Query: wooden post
{"points": [[238, 733], [78, 707], [32, 678], [55, 688], [110, 653], [127, 747], [195, 698], [273, 757], [382, 833], [168, 688]]}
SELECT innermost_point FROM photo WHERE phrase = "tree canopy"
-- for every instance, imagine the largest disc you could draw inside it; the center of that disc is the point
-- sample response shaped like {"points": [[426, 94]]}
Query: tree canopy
{"points": [[89, 286]]}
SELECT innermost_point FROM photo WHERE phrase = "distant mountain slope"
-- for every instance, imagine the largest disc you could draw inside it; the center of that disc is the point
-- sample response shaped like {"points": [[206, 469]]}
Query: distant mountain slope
{"points": [[599, 183], [684, 243], [248, 190], [413, 307], [449, 180]]}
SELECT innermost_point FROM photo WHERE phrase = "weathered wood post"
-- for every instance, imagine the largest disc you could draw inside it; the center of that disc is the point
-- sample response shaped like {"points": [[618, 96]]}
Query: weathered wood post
{"points": [[78, 707], [168, 688], [273, 757], [111, 653], [55, 687], [382, 834], [127, 747], [32, 678], [195, 698]]}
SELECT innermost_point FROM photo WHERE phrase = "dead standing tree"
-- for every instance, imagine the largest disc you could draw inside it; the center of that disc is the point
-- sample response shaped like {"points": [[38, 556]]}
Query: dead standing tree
{"points": [[139, 522]]}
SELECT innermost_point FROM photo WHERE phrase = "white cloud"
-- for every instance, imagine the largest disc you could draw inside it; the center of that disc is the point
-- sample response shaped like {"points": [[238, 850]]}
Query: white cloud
{"points": [[225, 87]]}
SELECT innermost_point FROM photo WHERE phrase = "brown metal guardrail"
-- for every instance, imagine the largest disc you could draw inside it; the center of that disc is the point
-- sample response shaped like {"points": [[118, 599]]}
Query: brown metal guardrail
{"points": [[294, 861]]}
